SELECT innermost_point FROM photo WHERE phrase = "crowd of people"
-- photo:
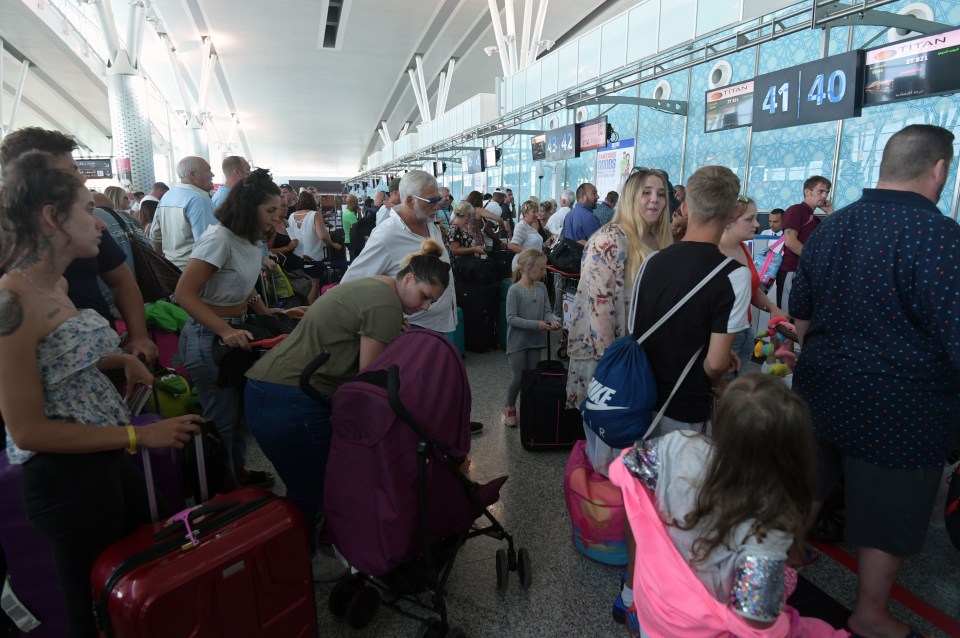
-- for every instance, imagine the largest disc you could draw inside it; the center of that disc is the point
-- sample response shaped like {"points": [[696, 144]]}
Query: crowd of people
{"points": [[737, 468]]}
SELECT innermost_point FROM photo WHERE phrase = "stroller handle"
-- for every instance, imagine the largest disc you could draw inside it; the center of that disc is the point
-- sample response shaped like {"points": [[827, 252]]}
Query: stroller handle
{"points": [[305, 384]]}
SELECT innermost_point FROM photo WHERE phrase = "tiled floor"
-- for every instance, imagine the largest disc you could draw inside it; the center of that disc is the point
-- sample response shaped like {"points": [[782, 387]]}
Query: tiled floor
{"points": [[570, 595]]}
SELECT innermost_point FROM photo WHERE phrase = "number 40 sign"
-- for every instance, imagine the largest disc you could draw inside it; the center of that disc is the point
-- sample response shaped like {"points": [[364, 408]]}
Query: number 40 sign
{"points": [[820, 91]]}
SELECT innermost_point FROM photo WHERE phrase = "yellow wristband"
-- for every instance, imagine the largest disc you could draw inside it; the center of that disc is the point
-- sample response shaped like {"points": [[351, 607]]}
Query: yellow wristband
{"points": [[132, 436]]}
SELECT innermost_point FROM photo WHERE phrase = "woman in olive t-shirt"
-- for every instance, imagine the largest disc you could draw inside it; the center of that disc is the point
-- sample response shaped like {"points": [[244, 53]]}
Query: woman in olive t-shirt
{"points": [[353, 322]]}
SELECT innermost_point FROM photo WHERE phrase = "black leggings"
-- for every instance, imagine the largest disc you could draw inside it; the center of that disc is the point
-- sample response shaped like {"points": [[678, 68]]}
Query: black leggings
{"points": [[82, 503]]}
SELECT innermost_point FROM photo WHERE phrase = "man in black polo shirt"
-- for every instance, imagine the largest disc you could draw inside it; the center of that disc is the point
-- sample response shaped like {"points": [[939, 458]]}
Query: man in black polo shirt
{"points": [[875, 303], [710, 319]]}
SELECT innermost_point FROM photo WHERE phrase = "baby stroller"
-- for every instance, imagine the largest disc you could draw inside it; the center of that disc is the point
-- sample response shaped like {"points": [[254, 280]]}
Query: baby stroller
{"points": [[396, 504]]}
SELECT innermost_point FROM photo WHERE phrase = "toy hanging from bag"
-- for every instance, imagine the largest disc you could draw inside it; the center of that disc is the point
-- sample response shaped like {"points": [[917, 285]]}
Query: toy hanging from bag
{"points": [[778, 353]]}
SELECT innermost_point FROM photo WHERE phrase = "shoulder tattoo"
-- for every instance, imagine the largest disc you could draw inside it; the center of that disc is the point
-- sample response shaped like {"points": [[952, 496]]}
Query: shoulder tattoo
{"points": [[11, 312]]}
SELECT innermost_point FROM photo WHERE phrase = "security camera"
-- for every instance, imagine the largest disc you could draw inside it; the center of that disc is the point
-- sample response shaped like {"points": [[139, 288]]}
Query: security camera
{"points": [[547, 44], [540, 172], [490, 50]]}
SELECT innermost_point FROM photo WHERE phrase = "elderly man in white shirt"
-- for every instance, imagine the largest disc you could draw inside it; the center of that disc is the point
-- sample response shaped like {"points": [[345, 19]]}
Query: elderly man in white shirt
{"points": [[400, 234], [555, 223]]}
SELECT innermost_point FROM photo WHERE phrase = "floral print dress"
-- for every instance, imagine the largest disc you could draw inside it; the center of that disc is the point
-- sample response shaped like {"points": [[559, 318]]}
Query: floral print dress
{"points": [[600, 308], [74, 389]]}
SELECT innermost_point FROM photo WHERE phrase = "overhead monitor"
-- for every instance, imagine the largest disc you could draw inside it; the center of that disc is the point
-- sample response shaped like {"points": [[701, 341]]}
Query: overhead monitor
{"points": [[728, 107], [593, 134], [490, 156], [95, 168], [473, 161], [538, 144], [562, 143], [820, 91], [911, 69]]}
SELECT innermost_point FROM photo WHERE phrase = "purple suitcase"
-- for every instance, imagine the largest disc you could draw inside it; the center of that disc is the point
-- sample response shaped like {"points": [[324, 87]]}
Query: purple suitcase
{"points": [[33, 576]]}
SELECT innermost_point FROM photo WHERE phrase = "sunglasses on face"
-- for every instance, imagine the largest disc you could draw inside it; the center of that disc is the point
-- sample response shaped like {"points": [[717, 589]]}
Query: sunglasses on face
{"points": [[433, 201]]}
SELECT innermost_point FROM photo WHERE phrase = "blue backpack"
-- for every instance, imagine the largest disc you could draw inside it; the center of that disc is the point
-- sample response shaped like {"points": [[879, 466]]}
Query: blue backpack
{"points": [[622, 395]]}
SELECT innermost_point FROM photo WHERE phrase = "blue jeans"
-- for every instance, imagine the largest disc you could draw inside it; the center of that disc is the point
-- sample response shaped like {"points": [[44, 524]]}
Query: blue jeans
{"points": [[220, 405], [743, 344], [294, 432]]}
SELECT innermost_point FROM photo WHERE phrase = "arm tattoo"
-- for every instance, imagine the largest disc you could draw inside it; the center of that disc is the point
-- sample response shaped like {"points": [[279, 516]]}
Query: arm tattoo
{"points": [[11, 313]]}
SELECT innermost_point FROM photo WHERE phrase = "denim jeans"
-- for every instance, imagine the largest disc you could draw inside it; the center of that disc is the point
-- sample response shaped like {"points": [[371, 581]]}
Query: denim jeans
{"points": [[220, 405], [743, 344], [294, 432]]}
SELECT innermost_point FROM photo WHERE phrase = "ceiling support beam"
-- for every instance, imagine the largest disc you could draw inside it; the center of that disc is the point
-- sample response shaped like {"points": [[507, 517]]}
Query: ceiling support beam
{"points": [[414, 85], [498, 33], [525, 31], [446, 77], [537, 33], [108, 26], [206, 73], [135, 23], [17, 96], [422, 86]]}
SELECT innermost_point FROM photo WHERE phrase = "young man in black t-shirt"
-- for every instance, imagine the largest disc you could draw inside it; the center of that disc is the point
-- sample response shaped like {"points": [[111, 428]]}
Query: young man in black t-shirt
{"points": [[710, 319]]}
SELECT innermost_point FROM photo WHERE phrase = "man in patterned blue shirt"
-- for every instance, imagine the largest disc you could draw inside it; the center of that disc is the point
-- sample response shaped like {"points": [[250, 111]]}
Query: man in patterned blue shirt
{"points": [[877, 306]]}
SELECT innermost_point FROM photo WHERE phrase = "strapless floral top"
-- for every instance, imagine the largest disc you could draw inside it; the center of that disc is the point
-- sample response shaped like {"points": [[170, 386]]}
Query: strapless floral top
{"points": [[73, 388]]}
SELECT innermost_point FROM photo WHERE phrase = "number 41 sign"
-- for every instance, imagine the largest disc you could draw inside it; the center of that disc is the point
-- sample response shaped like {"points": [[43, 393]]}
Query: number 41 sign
{"points": [[820, 91]]}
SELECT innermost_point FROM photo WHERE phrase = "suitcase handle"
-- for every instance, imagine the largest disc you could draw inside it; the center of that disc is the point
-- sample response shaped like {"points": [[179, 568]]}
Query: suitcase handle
{"points": [[187, 517], [152, 488]]}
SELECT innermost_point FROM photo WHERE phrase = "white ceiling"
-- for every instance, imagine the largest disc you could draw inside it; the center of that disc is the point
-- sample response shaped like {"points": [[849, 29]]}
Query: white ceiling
{"points": [[304, 111]]}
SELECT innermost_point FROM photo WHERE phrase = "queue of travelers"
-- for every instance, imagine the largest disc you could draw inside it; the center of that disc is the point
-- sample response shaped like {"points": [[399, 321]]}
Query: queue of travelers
{"points": [[731, 477]]}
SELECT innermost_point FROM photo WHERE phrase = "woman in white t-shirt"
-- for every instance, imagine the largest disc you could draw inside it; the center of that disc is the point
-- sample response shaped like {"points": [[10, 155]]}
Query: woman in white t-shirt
{"points": [[306, 225], [525, 235], [217, 290]]}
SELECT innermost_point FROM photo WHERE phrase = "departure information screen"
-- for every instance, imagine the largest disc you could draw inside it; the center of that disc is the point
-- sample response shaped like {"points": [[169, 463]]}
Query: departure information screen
{"points": [[818, 91], [910, 69]]}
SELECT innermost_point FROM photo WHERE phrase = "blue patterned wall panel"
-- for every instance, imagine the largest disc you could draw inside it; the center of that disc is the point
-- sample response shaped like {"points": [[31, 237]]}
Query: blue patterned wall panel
{"points": [[727, 148], [659, 134]]}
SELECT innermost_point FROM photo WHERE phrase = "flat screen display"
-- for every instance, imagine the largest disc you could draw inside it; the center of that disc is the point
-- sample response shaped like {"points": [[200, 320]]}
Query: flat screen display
{"points": [[490, 156], [911, 69], [538, 144], [820, 91], [593, 134], [95, 168], [562, 143], [728, 107], [473, 161]]}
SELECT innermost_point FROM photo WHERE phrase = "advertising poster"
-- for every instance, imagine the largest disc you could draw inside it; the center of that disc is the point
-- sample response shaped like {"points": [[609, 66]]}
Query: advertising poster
{"points": [[614, 162]]}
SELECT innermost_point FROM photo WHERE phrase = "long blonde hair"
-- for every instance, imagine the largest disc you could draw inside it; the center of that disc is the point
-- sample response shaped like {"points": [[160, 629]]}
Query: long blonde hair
{"points": [[630, 218]]}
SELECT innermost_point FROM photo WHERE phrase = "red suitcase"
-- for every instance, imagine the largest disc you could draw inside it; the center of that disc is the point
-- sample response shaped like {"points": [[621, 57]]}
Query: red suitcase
{"points": [[245, 573]]}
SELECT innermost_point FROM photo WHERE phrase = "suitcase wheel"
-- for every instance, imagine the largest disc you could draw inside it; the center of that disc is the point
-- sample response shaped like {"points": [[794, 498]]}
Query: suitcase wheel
{"points": [[503, 570], [342, 592], [362, 607], [523, 566]]}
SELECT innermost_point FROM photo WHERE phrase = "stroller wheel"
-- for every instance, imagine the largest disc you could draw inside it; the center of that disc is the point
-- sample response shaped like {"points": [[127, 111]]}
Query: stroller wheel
{"points": [[523, 565], [512, 558], [342, 592], [455, 632], [362, 607], [503, 570]]}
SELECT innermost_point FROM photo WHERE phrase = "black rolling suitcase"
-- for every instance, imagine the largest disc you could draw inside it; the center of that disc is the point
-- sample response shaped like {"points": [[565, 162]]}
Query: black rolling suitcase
{"points": [[545, 421], [481, 315]]}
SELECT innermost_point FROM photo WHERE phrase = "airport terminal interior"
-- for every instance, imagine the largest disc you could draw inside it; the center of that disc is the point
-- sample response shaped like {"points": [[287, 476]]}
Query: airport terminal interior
{"points": [[345, 97]]}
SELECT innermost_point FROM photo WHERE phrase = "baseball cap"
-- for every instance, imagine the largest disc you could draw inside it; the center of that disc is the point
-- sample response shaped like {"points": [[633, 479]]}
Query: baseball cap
{"points": [[499, 191]]}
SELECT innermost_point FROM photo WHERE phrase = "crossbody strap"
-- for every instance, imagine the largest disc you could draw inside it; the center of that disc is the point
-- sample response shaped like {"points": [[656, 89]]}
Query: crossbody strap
{"points": [[669, 313], [678, 305]]}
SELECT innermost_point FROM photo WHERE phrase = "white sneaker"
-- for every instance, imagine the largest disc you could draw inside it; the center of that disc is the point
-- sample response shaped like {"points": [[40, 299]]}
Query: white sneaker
{"points": [[327, 569]]}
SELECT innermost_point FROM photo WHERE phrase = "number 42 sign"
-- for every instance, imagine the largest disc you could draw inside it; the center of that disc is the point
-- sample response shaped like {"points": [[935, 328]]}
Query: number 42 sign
{"points": [[820, 91]]}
